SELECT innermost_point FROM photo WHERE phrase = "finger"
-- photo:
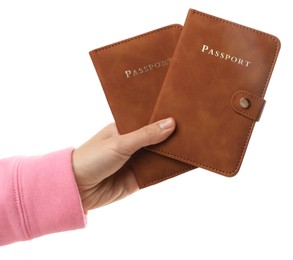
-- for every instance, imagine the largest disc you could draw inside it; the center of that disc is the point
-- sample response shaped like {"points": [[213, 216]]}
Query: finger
{"points": [[147, 135]]}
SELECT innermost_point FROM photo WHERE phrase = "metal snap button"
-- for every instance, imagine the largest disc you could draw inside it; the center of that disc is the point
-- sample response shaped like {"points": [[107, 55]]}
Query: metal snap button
{"points": [[244, 103]]}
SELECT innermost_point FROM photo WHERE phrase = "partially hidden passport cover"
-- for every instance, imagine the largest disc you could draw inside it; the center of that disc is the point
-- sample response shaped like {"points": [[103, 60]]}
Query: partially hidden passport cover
{"points": [[215, 88], [131, 73]]}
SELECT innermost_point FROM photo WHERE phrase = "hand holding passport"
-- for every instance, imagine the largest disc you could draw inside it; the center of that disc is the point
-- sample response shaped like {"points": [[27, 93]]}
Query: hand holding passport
{"points": [[210, 75]]}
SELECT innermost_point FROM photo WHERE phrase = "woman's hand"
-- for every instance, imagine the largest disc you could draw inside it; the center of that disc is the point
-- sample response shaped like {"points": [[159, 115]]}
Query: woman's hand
{"points": [[99, 165]]}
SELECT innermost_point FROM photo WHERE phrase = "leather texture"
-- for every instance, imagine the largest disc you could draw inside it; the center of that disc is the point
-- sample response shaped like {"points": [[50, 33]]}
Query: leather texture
{"points": [[131, 73], [217, 65]]}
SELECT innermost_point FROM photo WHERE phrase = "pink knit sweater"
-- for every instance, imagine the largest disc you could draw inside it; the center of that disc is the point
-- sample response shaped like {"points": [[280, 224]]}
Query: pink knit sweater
{"points": [[38, 196]]}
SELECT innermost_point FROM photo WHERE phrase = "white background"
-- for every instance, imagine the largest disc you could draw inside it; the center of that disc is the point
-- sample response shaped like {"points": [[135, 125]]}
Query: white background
{"points": [[51, 98]]}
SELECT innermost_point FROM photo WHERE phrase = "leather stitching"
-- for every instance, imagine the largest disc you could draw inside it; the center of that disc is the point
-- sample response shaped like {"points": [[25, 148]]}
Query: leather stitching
{"points": [[230, 173], [137, 37], [126, 42], [251, 115]]}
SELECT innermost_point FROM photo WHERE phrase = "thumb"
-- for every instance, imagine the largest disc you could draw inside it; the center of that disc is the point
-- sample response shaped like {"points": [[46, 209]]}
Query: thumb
{"points": [[147, 135]]}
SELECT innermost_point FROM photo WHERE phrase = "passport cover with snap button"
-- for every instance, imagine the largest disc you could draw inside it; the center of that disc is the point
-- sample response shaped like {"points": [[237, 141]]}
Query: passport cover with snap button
{"points": [[131, 73], [215, 88]]}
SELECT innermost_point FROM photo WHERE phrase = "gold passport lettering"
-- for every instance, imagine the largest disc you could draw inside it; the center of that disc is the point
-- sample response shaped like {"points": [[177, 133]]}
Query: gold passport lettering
{"points": [[216, 53], [156, 65]]}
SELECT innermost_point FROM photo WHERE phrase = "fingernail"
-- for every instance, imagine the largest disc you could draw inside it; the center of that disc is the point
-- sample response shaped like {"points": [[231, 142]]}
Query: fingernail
{"points": [[166, 123]]}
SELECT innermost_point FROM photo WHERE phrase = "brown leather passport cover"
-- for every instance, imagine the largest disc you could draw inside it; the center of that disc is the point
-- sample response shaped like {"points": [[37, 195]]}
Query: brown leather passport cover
{"points": [[131, 73], [215, 89]]}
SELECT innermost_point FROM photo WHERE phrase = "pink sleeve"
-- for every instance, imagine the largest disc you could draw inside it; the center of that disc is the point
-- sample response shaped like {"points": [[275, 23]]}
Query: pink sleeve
{"points": [[38, 196]]}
